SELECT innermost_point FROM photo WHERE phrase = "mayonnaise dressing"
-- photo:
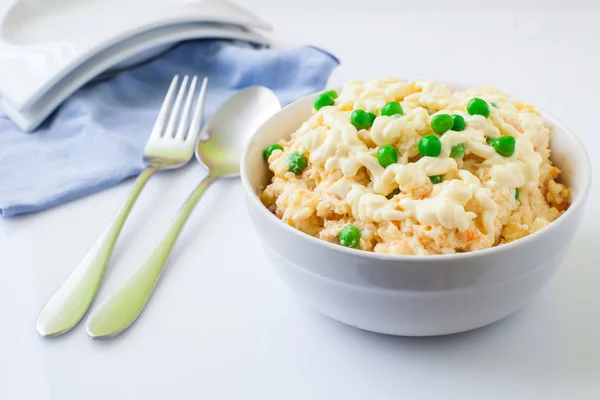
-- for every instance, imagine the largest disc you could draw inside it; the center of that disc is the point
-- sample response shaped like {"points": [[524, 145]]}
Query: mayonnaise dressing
{"points": [[464, 200]]}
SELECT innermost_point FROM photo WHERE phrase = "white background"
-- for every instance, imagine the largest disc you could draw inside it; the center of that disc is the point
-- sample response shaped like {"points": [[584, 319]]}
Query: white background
{"points": [[221, 325]]}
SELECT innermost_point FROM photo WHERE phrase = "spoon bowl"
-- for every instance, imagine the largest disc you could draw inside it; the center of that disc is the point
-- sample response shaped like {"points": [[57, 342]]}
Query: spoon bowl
{"points": [[223, 138]]}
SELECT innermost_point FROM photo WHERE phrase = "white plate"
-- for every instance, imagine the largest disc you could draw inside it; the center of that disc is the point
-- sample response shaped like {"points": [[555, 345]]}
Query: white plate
{"points": [[127, 52], [44, 41]]}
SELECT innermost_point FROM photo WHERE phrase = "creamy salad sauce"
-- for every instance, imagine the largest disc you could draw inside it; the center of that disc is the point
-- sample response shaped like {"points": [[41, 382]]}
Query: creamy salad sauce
{"points": [[474, 205]]}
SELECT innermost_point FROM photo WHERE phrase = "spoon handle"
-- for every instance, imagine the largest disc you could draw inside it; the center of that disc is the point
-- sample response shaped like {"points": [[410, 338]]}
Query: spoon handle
{"points": [[123, 306], [71, 301]]}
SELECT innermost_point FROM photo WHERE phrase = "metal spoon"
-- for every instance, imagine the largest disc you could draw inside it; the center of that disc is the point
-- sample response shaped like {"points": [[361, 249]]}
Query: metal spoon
{"points": [[219, 149]]}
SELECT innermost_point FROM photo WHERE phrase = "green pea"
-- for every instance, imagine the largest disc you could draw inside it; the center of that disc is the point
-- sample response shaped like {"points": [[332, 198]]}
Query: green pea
{"points": [[350, 236], [458, 123], [505, 145], [435, 179], [297, 162], [332, 93], [323, 100], [372, 116], [430, 146], [517, 193], [458, 151], [360, 119], [491, 141], [269, 150], [477, 106], [387, 155], [442, 123], [392, 108], [391, 195]]}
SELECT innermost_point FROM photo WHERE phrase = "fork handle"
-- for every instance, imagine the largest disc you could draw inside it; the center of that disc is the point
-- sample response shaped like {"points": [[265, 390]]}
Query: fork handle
{"points": [[70, 303], [123, 306]]}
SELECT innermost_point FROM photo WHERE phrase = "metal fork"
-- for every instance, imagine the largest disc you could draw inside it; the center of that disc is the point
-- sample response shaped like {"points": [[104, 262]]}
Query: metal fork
{"points": [[171, 145]]}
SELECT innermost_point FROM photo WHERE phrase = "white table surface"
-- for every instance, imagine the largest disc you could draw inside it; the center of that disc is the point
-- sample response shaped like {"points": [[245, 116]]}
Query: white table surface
{"points": [[221, 325]]}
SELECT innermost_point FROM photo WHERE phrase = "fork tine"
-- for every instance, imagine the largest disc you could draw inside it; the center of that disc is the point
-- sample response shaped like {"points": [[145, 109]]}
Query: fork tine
{"points": [[196, 124], [174, 118], [187, 108], [159, 125]]}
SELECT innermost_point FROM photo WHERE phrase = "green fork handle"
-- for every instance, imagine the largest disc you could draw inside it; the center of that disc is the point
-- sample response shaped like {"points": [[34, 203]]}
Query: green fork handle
{"points": [[123, 306], [72, 300]]}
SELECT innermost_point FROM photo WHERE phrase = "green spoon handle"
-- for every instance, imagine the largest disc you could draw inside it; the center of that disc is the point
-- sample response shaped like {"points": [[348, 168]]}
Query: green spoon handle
{"points": [[72, 300], [123, 306]]}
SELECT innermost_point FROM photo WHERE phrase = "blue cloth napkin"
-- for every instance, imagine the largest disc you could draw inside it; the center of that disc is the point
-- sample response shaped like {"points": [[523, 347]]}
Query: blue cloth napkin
{"points": [[97, 137]]}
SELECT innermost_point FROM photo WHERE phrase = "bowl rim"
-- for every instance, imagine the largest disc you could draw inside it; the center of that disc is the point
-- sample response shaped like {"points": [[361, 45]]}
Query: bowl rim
{"points": [[578, 202]]}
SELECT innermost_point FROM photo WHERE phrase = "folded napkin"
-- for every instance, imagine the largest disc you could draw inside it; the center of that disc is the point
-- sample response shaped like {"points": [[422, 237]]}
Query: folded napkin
{"points": [[97, 137]]}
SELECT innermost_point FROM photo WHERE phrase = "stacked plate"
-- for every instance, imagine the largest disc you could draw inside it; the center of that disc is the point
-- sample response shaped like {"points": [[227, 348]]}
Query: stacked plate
{"points": [[50, 48]]}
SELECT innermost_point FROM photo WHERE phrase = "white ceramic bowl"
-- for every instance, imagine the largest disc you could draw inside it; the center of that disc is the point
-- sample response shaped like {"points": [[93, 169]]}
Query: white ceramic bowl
{"points": [[413, 295]]}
